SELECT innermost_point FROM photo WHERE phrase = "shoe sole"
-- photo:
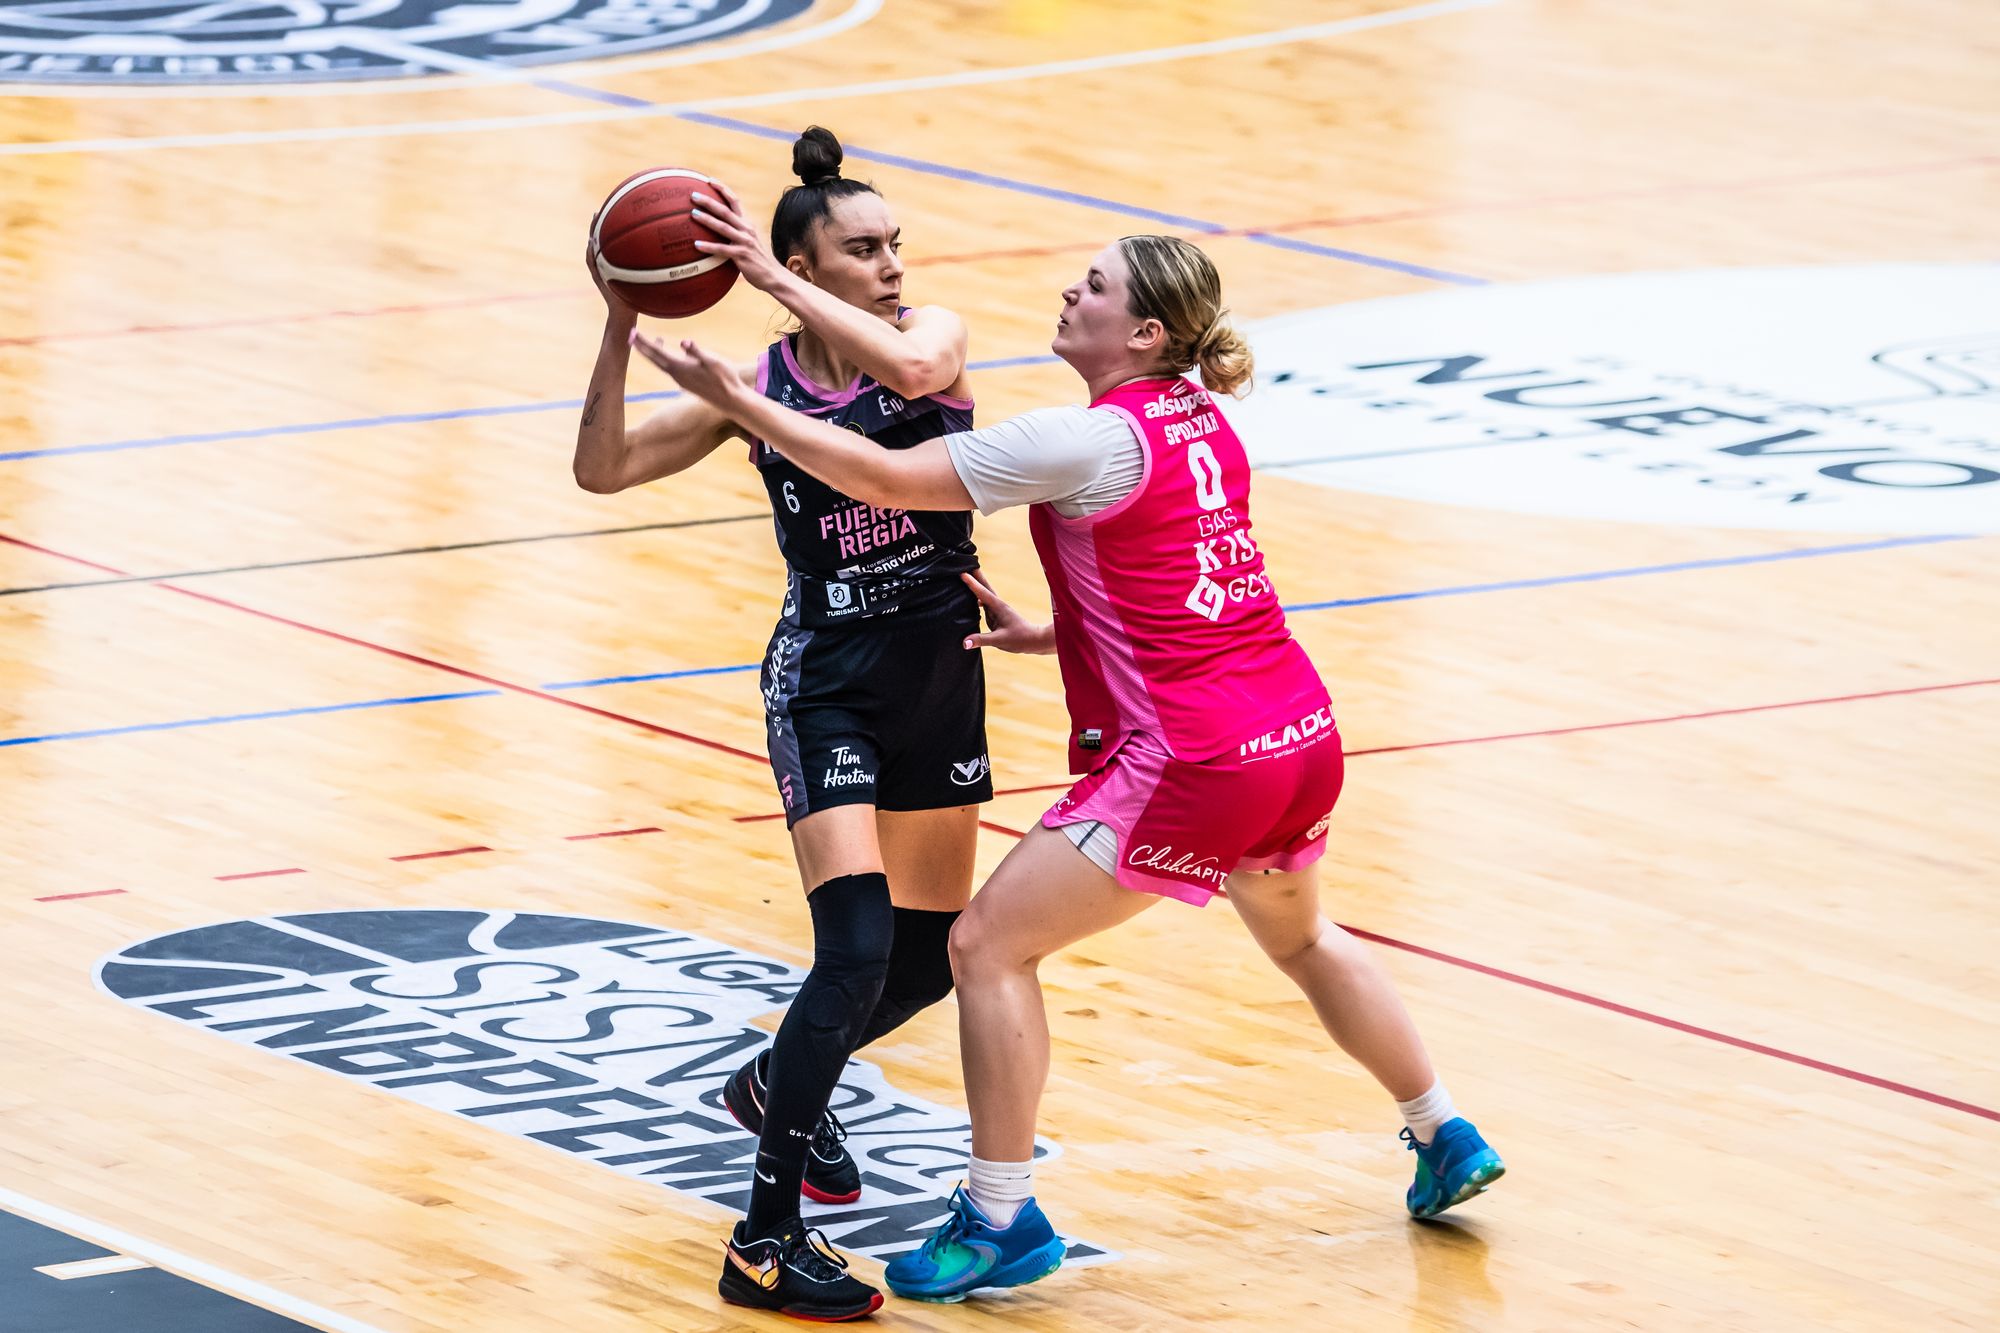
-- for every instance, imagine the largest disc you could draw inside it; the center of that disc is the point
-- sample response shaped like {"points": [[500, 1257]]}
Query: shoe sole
{"points": [[806, 1188], [818, 1195], [759, 1300], [1476, 1182], [1038, 1264]]}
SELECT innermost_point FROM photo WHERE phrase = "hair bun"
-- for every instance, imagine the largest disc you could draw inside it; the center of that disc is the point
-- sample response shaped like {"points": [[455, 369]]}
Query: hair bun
{"points": [[1214, 335], [816, 157]]}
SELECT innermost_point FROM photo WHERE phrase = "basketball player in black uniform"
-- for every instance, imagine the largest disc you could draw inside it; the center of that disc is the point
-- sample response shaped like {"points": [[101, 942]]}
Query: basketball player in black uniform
{"points": [[877, 727]]}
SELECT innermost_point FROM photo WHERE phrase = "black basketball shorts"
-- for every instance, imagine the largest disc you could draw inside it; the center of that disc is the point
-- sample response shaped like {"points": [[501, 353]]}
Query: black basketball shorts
{"points": [[890, 715]]}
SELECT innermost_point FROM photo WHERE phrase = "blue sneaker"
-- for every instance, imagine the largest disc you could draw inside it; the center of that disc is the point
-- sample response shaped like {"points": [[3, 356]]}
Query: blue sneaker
{"points": [[967, 1252], [1456, 1165]]}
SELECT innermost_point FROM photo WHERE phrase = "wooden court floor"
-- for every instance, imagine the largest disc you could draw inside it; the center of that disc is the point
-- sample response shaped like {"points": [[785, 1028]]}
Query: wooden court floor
{"points": [[1676, 828]]}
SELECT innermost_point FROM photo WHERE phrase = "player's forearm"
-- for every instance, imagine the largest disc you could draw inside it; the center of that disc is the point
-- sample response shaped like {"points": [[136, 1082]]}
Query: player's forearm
{"points": [[842, 459], [897, 361], [599, 465]]}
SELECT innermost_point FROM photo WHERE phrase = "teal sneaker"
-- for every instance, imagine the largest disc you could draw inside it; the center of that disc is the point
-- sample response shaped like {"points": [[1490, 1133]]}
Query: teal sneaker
{"points": [[1456, 1165], [967, 1252]]}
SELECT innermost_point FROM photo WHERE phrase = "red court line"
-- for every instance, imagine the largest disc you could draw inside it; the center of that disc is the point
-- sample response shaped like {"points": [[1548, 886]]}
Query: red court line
{"points": [[1676, 1025], [1498, 973], [997, 828], [1679, 717], [1040, 786], [1032, 252], [260, 874], [1570, 731], [432, 856], [1588, 726], [612, 833], [1635, 192], [1673, 1024], [417, 658], [67, 897]]}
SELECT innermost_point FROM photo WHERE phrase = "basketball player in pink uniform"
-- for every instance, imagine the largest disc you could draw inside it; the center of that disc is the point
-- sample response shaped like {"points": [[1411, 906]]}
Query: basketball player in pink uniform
{"points": [[1206, 738]]}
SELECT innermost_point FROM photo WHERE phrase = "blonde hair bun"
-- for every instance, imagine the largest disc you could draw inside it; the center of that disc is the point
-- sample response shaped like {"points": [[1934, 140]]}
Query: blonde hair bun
{"points": [[1175, 283]]}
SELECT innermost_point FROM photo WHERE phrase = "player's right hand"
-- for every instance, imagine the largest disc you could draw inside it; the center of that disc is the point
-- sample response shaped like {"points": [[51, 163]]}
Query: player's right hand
{"points": [[612, 304], [1007, 629]]}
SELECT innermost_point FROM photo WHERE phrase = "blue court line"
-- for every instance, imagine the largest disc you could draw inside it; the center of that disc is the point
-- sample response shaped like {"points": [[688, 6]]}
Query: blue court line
{"points": [[318, 427], [1633, 571], [402, 419], [1010, 362], [1592, 576], [650, 675], [1179, 220], [304, 428], [590, 94], [1357, 257], [949, 172], [916, 164], [247, 717]]}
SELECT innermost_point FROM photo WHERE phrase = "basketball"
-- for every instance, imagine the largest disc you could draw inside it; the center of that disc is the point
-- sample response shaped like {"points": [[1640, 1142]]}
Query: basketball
{"points": [[644, 239]]}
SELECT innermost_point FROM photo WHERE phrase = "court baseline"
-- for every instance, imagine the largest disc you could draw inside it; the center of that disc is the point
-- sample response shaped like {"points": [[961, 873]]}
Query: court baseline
{"points": [[197, 1270]]}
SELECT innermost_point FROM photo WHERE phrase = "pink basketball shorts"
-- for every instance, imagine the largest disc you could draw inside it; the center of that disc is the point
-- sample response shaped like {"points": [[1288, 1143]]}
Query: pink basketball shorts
{"points": [[1181, 828]]}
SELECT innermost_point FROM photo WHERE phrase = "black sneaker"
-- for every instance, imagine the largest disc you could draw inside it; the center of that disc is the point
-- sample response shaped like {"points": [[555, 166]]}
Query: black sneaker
{"points": [[796, 1273], [831, 1175]]}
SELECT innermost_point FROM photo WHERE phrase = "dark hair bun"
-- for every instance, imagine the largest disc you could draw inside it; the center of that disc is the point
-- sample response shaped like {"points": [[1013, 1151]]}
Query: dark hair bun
{"points": [[816, 156]]}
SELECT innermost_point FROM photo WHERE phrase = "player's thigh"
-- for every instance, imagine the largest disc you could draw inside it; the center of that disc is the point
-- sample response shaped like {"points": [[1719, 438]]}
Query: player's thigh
{"points": [[834, 842], [1044, 896], [1280, 908], [928, 855]]}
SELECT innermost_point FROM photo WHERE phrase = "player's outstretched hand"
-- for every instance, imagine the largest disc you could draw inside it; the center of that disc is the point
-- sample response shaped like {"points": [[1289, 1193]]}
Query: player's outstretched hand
{"points": [[735, 239], [1007, 629], [703, 374]]}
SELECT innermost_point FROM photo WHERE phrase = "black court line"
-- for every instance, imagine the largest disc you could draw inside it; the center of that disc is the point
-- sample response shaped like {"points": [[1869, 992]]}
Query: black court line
{"points": [[381, 555], [143, 1300]]}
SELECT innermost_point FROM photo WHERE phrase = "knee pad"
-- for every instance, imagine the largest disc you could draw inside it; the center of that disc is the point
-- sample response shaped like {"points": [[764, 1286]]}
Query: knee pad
{"points": [[919, 970], [920, 965], [854, 930]]}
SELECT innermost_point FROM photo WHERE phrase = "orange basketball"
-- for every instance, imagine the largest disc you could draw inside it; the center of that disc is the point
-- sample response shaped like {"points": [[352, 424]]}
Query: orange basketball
{"points": [[644, 237]]}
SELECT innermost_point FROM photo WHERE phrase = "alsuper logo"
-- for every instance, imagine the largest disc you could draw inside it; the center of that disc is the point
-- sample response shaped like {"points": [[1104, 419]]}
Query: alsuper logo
{"points": [[608, 1041], [1179, 405]]}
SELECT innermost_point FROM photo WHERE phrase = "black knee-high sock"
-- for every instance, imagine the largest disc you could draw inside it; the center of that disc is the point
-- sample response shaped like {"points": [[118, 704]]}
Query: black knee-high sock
{"points": [[919, 970], [853, 929]]}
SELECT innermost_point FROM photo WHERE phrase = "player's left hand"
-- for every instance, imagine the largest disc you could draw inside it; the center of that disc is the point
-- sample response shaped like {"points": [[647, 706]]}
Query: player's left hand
{"points": [[703, 374], [735, 238]]}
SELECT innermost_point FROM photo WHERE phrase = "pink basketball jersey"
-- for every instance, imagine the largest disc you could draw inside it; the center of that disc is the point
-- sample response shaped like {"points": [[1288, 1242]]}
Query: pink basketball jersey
{"points": [[1165, 620]]}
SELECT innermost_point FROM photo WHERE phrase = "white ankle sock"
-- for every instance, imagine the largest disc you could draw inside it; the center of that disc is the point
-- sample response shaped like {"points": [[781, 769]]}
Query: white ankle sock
{"points": [[1000, 1188], [1424, 1114]]}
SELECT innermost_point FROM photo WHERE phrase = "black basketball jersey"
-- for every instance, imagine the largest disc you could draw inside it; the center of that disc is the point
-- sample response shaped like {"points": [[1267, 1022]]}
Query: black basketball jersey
{"points": [[848, 561]]}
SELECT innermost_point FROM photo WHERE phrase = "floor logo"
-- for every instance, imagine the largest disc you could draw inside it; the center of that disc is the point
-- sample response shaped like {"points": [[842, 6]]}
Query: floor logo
{"points": [[286, 41], [1863, 399], [603, 1039]]}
